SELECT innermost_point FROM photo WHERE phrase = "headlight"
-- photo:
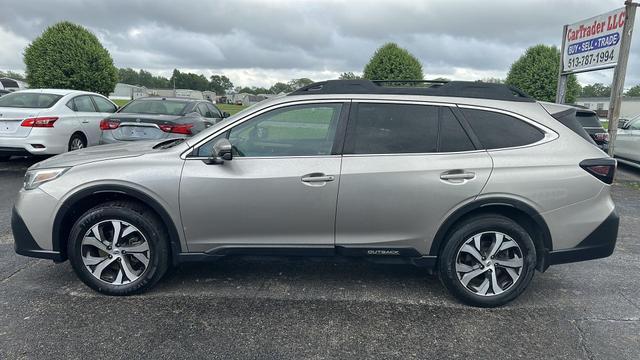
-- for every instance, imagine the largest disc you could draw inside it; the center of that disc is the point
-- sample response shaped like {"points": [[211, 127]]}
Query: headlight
{"points": [[35, 178]]}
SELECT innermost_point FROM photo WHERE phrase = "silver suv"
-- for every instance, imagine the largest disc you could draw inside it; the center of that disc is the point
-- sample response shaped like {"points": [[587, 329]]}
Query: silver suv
{"points": [[476, 181]]}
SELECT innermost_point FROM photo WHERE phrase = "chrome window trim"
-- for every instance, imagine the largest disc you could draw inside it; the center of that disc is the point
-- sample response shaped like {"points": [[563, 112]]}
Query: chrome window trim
{"points": [[184, 155]]}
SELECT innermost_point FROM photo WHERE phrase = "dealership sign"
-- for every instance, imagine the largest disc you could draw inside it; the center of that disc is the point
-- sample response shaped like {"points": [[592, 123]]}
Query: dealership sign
{"points": [[593, 43]]}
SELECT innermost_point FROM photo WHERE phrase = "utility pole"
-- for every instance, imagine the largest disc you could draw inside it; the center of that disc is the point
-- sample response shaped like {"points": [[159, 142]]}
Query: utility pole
{"points": [[619, 73], [561, 90]]}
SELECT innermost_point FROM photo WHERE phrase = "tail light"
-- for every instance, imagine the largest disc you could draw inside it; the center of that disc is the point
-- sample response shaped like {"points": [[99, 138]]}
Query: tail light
{"points": [[40, 122], [604, 169], [184, 129], [602, 137], [108, 124]]}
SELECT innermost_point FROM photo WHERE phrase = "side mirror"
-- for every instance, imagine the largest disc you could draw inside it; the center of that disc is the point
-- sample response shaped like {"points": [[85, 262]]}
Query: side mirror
{"points": [[225, 114], [222, 151]]}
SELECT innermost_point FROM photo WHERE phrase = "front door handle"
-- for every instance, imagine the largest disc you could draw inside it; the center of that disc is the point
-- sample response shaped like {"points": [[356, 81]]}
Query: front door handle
{"points": [[317, 177], [457, 175]]}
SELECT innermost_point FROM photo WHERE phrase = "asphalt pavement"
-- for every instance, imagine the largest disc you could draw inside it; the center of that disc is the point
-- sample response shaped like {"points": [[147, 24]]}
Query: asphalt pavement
{"points": [[299, 308]]}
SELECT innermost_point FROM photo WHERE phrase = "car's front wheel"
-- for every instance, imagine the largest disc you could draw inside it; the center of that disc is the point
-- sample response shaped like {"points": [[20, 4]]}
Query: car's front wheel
{"points": [[119, 248], [487, 261]]}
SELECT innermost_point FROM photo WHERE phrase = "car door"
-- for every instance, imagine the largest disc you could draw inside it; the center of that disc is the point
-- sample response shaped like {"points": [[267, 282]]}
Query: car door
{"points": [[628, 141], [280, 189], [104, 108], [87, 114], [405, 167]]}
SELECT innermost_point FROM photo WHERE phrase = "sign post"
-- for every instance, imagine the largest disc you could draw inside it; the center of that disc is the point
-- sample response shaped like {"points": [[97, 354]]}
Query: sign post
{"points": [[600, 42], [619, 74]]}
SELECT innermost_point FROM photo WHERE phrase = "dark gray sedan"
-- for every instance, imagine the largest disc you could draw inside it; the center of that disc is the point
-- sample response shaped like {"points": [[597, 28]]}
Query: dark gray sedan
{"points": [[156, 118]]}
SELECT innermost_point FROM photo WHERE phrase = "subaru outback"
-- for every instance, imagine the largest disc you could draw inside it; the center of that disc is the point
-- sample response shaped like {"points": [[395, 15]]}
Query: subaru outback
{"points": [[477, 182]]}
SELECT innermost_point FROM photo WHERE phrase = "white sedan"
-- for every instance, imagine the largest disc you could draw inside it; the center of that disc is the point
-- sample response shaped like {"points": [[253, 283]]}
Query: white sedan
{"points": [[50, 121], [627, 148]]}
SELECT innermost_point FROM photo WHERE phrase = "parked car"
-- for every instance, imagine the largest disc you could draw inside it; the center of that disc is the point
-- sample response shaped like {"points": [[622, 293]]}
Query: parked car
{"points": [[476, 181], [627, 149], [155, 118], [50, 121], [592, 125], [4, 92]]}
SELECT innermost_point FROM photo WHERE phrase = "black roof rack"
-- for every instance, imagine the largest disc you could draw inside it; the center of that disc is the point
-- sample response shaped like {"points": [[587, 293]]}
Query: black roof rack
{"points": [[469, 89]]}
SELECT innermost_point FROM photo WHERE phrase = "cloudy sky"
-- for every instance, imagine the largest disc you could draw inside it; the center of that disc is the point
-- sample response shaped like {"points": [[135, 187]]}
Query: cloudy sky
{"points": [[261, 42]]}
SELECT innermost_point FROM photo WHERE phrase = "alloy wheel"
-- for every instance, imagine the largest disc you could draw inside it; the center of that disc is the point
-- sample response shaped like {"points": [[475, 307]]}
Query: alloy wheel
{"points": [[115, 252], [489, 263], [76, 144]]}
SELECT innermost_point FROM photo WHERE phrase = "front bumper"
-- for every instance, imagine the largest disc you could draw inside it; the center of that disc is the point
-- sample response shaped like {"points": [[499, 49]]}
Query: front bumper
{"points": [[25, 244], [599, 244]]}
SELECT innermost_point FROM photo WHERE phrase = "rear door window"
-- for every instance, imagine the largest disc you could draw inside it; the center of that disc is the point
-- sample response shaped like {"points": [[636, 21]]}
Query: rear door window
{"points": [[84, 104], [204, 110], [496, 130], [378, 128], [453, 137]]}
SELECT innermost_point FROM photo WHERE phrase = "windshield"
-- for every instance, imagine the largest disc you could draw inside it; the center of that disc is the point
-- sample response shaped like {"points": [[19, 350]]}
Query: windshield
{"points": [[29, 100], [587, 119], [156, 107]]}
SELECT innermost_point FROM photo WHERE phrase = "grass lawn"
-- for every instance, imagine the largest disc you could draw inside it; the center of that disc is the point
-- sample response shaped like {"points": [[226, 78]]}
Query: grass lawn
{"points": [[120, 103], [230, 108]]}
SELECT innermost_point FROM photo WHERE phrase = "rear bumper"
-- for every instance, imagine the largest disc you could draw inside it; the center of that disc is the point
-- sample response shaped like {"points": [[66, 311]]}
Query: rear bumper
{"points": [[599, 244], [25, 244], [47, 143]]}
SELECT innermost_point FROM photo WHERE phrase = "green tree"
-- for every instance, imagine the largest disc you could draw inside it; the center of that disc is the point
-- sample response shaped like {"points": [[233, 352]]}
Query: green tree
{"points": [[391, 62], [634, 91], [68, 56], [536, 73], [596, 90], [296, 84], [280, 87], [220, 84], [349, 76]]}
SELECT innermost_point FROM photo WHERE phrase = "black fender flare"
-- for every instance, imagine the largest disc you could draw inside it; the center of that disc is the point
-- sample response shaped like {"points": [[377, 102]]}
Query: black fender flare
{"points": [[504, 202], [68, 205]]}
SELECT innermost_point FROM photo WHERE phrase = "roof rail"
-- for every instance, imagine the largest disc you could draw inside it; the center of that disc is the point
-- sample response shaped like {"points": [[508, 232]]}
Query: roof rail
{"points": [[468, 89]]}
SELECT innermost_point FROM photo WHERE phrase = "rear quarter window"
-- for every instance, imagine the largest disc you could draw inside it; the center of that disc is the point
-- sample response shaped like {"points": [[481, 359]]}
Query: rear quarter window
{"points": [[496, 130]]}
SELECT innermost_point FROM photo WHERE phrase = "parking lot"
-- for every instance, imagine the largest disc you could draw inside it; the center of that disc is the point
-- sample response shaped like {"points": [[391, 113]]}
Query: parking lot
{"points": [[295, 308]]}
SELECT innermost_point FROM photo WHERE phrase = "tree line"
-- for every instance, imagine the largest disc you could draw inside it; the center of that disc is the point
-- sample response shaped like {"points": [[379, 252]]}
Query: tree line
{"points": [[68, 56]]}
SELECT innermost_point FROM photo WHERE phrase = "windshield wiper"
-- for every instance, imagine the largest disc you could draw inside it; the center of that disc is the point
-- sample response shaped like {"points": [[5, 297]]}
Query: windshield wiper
{"points": [[168, 143]]}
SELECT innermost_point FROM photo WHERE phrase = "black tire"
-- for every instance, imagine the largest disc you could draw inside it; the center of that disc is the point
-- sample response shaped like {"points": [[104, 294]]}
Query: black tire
{"points": [[76, 138], [144, 220], [465, 231]]}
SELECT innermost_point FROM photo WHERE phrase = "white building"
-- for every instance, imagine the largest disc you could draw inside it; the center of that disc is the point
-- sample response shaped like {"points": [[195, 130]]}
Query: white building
{"points": [[194, 94], [12, 84], [128, 92], [630, 105]]}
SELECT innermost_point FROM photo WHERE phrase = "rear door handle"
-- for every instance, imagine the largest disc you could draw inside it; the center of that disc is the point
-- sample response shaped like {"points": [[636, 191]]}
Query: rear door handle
{"points": [[85, 122], [457, 175], [317, 177]]}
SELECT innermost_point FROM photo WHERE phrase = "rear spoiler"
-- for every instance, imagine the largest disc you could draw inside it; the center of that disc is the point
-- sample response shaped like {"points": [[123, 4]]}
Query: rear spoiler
{"points": [[566, 115]]}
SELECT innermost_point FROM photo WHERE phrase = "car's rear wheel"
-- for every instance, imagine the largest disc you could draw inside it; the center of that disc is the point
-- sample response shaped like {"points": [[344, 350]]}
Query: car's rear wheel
{"points": [[487, 261], [119, 248], [77, 142]]}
